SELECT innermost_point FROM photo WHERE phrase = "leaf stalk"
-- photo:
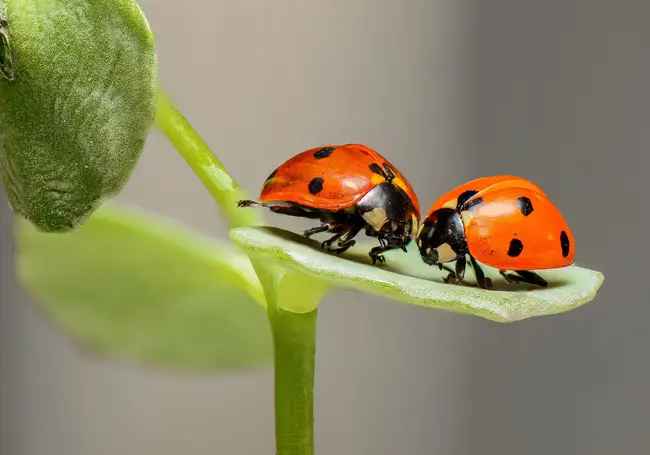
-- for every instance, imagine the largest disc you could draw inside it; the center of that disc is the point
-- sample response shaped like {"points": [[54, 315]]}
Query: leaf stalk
{"points": [[207, 167]]}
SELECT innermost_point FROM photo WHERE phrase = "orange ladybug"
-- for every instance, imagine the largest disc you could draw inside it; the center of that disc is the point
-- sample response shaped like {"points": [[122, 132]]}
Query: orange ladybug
{"points": [[505, 222], [349, 188]]}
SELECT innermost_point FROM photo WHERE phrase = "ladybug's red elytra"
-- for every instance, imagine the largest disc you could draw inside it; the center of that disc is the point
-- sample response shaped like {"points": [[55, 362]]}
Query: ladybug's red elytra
{"points": [[349, 188], [505, 222]]}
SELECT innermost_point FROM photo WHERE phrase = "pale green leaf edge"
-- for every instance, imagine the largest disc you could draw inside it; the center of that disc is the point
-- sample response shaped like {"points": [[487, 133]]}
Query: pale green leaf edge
{"points": [[221, 253], [569, 288]]}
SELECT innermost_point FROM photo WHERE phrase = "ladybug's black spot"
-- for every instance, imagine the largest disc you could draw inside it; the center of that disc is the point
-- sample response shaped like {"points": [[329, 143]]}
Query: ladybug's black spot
{"points": [[525, 205], [374, 167], [516, 247], [463, 198], [473, 203], [316, 185], [565, 244], [323, 153]]}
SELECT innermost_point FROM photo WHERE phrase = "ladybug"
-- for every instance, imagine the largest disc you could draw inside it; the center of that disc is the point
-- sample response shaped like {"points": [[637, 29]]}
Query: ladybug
{"points": [[503, 221], [349, 188]]}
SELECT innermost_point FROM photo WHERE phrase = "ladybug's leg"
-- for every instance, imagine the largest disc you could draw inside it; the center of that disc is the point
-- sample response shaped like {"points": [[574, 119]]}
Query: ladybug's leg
{"points": [[483, 282], [281, 209], [445, 268], [346, 240], [384, 245], [246, 203], [524, 276], [376, 252], [455, 278], [343, 239], [316, 230], [331, 226], [251, 203], [370, 232], [509, 277], [328, 243]]}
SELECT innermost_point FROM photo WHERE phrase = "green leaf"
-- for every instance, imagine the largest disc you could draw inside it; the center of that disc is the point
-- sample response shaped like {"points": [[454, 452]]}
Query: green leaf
{"points": [[407, 279], [78, 90], [135, 286]]}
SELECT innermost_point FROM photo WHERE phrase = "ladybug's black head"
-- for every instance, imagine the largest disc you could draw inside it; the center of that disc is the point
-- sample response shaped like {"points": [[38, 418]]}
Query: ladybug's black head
{"points": [[442, 237], [389, 212]]}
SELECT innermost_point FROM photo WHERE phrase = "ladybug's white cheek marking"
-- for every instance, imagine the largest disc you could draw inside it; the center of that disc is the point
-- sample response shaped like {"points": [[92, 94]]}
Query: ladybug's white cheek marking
{"points": [[466, 217], [445, 253], [414, 226], [376, 218], [420, 230]]}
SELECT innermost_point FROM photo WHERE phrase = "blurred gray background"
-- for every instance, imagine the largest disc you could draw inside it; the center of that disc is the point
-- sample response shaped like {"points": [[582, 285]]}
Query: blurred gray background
{"points": [[448, 90]]}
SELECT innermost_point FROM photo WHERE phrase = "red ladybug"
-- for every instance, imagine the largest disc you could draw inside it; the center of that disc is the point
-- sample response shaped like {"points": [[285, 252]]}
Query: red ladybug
{"points": [[505, 222], [348, 188]]}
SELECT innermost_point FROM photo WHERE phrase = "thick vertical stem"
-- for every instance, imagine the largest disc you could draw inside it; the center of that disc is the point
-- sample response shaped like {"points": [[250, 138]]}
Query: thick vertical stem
{"points": [[294, 335]]}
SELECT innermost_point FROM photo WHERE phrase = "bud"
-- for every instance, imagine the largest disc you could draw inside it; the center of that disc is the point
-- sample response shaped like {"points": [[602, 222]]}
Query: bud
{"points": [[78, 86]]}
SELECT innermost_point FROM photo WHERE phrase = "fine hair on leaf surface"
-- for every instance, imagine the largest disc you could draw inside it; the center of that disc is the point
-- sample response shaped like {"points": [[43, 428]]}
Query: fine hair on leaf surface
{"points": [[78, 98]]}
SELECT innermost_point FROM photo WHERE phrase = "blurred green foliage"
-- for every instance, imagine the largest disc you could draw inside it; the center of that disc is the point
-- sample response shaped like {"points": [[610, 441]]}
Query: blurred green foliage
{"points": [[138, 287]]}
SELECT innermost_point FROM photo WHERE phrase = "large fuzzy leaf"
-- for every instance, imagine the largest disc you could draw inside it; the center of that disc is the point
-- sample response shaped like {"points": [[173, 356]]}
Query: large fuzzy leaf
{"points": [[78, 84]]}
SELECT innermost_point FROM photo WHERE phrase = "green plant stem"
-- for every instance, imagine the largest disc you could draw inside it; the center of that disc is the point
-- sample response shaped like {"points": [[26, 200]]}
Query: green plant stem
{"points": [[294, 336], [294, 333], [204, 163]]}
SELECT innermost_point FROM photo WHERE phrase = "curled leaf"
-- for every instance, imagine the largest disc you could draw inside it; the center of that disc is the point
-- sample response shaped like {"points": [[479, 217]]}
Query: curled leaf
{"points": [[78, 98], [405, 278], [134, 286]]}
